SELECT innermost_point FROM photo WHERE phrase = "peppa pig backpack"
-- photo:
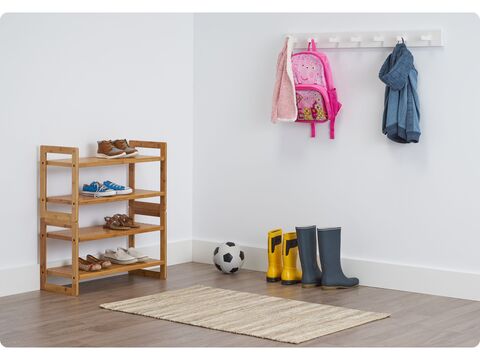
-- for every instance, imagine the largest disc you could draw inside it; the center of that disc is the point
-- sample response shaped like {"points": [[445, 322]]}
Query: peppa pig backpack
{"points": [[316, 96]]}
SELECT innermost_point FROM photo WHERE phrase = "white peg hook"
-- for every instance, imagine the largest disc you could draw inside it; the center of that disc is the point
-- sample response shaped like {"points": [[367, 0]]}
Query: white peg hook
{"points": [[426, 38], [369, 39], [334, 40], [356, 39], [379, 38]]}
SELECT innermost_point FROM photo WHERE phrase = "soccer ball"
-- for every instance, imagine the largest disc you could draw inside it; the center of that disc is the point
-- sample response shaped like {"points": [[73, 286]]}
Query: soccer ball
{"points": [[228, 258]]}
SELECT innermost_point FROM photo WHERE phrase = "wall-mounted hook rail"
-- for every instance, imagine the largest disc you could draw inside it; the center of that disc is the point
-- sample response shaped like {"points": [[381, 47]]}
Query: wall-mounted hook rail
{"points": [[370, 39]]}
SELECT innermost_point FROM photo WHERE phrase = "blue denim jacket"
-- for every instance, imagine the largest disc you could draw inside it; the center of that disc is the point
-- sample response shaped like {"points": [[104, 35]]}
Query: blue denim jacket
{"points": [[401, 117]]}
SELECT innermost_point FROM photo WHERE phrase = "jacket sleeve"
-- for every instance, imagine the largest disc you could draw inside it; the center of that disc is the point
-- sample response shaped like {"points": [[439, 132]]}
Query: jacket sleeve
{"points": [[396, 75]]}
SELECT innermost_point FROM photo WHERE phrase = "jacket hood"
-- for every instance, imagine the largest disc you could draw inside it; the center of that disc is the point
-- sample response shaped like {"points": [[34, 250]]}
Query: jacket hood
{"points": [[396, 68]]}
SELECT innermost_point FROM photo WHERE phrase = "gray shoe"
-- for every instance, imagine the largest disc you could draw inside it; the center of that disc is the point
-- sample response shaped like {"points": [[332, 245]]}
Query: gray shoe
{"points": [[329, 248], [307, 249], [119, 257]]}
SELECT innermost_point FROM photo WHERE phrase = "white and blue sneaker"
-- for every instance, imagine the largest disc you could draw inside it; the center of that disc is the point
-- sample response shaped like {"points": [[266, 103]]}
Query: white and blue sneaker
{"points": [[97, 189], [119, 189]]}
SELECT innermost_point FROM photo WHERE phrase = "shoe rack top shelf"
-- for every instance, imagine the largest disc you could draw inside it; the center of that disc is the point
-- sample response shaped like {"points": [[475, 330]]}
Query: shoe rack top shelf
{"points": [[88, 200], [93, 161], [98, 232], [66, 271]]}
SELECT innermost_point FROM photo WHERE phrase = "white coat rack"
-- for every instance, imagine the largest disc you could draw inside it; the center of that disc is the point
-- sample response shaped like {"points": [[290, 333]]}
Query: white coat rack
{"points": [[370, 39]]}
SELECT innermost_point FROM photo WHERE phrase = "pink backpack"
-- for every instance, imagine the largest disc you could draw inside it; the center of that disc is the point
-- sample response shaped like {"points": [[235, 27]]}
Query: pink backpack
{"points": [[316, 96]]}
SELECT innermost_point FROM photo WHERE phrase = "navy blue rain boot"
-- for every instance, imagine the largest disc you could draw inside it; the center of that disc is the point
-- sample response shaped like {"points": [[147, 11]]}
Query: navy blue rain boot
{"points": [[307, 249], [329, 248]]}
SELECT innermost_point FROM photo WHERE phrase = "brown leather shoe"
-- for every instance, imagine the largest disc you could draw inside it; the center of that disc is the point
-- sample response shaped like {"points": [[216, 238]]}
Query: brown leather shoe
{"points": [[124, 146], [106, 150], [88, 266], [102, 262]]}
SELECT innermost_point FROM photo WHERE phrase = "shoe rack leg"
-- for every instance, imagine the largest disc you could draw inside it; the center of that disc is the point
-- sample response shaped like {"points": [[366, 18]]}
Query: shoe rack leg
{"points": [[43, 254], [43, 225], [75, 236], [131, 210], [163, 212]]}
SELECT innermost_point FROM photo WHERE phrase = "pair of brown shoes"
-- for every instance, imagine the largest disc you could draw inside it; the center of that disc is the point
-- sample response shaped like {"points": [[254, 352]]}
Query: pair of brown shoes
{"points": [[108, 149], [93, 264], [120, 222]]}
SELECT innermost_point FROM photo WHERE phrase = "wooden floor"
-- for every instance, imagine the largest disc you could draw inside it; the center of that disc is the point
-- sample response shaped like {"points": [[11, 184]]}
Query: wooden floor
{"points": [[46, 319]]}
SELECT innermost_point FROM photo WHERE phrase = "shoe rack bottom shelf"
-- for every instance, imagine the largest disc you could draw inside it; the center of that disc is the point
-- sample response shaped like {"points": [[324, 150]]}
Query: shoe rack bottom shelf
{"points": [[66, 271]]}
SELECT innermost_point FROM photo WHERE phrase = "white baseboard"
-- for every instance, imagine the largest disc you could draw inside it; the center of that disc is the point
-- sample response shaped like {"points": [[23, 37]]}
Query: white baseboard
{"points": [[373, 273], [26, 278]]}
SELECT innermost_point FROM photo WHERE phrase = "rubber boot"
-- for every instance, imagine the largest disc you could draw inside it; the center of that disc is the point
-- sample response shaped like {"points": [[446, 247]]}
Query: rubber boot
{"points": [[329, 248], [307, 248], [290, 274], [274, 272]]}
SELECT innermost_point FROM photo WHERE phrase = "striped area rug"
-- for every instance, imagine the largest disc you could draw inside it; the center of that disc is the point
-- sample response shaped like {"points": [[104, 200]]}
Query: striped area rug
{"points": [[268, 317]]}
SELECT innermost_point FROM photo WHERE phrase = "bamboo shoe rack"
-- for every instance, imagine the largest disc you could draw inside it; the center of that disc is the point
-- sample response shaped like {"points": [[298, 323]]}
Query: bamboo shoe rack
{"points": [[76, 235]]}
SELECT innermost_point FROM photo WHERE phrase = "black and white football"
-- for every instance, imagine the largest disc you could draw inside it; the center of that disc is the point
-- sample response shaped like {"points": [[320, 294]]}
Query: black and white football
{"points": [[228, 258]]}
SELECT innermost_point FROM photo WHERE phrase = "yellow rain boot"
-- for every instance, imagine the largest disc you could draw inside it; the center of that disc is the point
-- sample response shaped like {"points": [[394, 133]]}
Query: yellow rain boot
{"points": [[290, 274], [274, 272]]}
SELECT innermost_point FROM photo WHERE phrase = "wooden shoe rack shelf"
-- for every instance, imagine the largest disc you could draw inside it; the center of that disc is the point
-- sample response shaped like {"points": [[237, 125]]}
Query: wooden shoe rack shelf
{"points": [[75, 234]]}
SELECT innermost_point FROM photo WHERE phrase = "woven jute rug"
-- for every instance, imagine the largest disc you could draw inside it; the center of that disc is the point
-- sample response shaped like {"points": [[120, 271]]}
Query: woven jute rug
{"points": [[268, 317]]}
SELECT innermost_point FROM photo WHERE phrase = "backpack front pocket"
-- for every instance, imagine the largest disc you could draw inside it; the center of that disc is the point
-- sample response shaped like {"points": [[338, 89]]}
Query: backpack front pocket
{"points": [[312, 103]]}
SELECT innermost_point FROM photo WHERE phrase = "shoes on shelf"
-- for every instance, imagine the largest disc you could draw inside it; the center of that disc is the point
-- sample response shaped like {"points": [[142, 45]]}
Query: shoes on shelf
{"points": [[123, 145], [97, 189], [88, 266], [113, 223], [102, 262], [134, 253], [120, 222], [108, 188], [119, 189], [119, 257], [126, 220], [106, 150]]}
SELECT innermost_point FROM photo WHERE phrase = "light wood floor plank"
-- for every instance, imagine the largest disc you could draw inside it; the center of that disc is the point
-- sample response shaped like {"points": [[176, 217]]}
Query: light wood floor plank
{"points": [[46, 319]]}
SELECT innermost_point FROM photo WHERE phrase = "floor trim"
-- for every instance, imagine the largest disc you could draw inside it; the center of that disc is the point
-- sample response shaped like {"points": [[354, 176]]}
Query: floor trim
{"points": [[26, 278], [373, 273]]}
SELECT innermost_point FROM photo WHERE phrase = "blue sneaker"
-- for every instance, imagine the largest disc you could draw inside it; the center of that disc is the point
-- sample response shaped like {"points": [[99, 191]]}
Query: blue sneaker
{"points": [[96, 189], [119, 189]]}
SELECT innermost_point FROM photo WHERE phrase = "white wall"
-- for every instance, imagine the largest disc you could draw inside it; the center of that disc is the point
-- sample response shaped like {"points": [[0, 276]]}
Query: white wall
{"points": [[73, 79], [409, 212], [415, 204]]}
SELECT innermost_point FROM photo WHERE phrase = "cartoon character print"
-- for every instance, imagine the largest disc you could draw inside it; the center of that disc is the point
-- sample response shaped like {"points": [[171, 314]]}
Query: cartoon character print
{"points": [[299, 98], [307, 69], [300, 112], [314, 110], [307, 114], [318, 112], [310, 105]]}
